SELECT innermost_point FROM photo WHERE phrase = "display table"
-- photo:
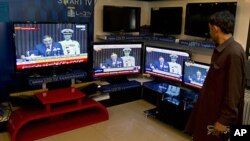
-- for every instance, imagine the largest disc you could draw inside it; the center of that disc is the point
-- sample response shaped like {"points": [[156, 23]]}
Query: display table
{"points": [[64, 109]]}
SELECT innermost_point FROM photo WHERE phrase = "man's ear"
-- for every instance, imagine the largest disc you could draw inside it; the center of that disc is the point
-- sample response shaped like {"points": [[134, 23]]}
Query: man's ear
{"points": [[216, 28]]}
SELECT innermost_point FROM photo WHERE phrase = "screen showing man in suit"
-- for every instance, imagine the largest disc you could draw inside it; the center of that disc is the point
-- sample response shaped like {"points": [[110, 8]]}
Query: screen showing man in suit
{"points": [[48, 47], [113, 62], [160, 64]]}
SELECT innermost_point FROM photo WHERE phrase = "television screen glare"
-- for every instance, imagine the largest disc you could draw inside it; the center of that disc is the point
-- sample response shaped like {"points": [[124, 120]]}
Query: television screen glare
{"points": [[195, 74], [39, 45], [165, 63], [116, 59]]}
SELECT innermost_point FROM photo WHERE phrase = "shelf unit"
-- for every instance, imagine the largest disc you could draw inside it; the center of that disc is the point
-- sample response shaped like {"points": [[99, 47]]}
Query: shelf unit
{"points": [[62, 110]]}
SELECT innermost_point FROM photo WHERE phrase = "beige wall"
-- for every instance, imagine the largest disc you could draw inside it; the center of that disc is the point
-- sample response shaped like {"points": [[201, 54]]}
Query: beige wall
{"points": [[241, 25]]}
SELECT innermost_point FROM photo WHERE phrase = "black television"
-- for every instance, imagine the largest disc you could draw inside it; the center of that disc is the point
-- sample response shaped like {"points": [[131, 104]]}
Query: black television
{"points": [[43, 44], [114, 59], [165, 63], [195, 74], [197, 15], [121, 19], [166, 20]]}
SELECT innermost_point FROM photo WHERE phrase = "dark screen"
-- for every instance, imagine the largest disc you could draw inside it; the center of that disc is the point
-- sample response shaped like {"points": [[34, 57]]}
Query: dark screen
{"points": [[125, 19], [166, 20], [197, 15]]}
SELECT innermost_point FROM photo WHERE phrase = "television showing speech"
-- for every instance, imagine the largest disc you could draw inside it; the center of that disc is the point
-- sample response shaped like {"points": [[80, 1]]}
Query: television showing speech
{"points": [[116, 58], [165, 63], [195, 74], [43, 44]]}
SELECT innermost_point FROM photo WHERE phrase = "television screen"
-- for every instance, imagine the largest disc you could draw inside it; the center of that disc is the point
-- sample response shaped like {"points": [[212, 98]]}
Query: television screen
{"points": [[126, 19], [166, 20], [165, 63], [40, 45], [195, 74], [197, 15], [112, 59]]}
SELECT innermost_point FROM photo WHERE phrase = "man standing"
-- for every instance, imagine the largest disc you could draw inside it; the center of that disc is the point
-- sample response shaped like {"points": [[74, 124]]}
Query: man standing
{"points": [[174, 67], [70, 47], [220, 103], [128, 61], [113, 62]]}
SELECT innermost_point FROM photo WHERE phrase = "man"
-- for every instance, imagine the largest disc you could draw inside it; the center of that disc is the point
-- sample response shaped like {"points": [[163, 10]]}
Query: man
{"points": [[220, 103], [174, 67], [113, 62], [128, 61], [70, 47], [48, 47], [161, 65], [198, 77]]}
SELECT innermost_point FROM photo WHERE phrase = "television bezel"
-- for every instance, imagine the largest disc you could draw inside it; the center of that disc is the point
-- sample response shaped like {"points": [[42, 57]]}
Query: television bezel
{"points": [[43, 69], [159, 76], [196, 87], [118, 74]]}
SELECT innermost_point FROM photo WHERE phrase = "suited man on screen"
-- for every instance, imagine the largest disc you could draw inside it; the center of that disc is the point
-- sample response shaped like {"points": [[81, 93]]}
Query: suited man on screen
{"points": [[48, 47], [160, 65], [113, 62]]}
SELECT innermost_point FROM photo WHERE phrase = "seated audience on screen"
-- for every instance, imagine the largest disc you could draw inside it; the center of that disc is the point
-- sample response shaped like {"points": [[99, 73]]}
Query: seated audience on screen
{"points": [[48, 47], [128, 61], [160, 64], [70, 47], [113, 62], [174, 67]]}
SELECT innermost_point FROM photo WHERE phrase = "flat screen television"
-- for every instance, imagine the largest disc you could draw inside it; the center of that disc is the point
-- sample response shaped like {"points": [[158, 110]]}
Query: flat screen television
{"points": [[195, 74], [197, 15], [116, 59], [121, 19], [41, 45], [166, 20], [165, 63]]}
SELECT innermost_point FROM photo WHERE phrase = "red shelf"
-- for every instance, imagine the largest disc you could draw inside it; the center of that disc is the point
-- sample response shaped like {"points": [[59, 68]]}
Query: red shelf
{"points": [[33, 123]]}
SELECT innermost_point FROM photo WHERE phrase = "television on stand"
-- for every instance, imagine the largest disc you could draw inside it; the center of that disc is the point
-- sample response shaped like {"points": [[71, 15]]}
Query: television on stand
{"points": [[164, 63], [47, 48], [114, 61], [121, 19]]}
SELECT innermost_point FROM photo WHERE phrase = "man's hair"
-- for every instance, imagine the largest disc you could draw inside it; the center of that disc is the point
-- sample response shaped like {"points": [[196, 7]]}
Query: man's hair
{"points": [[224, 20]]}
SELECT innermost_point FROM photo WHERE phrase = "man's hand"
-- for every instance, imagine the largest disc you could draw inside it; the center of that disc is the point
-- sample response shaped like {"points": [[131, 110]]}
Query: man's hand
{"points": [[218, 127]]}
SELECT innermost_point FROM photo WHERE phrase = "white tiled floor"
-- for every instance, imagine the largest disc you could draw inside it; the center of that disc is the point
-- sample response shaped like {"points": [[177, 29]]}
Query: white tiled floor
{"points": [[127, 122]]}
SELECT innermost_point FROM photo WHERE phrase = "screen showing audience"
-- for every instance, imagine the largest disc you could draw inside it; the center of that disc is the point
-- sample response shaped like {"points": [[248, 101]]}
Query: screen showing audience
{"points": [[195, 74], [116, 59], [50, 44], [165, 63]]}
